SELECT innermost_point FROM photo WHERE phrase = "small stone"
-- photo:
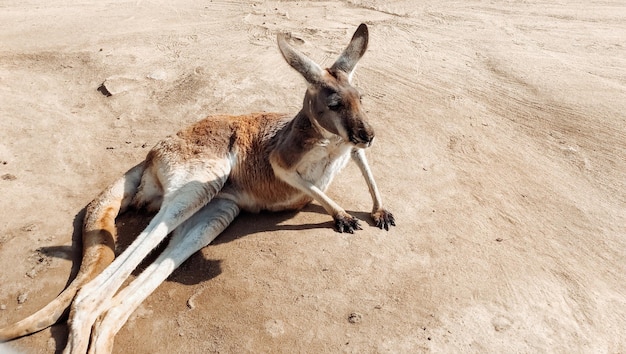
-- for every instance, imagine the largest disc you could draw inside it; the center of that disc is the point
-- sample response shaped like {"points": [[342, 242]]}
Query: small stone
{"points": [[32, 273], [29, 227], [118, 84], [355, 317], [21, 298], [501, 323], [8, 177], [3, 307], [159, 75], [191, 304], [499, 239]]}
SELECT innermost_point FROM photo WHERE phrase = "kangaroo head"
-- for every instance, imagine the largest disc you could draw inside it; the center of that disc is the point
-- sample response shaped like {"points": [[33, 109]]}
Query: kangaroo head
{"points": [[331, 102]]}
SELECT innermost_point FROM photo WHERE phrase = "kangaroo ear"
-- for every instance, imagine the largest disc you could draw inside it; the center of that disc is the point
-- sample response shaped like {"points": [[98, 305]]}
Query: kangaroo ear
{"points": [[303, 64], [355, 50]]}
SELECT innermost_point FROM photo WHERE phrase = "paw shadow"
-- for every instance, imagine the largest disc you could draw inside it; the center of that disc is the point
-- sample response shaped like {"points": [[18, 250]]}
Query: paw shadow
{"points": [[364, 217]]}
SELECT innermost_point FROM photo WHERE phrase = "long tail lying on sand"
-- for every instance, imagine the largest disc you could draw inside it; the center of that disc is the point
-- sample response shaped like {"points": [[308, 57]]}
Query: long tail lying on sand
{"points": [[99, 237]]}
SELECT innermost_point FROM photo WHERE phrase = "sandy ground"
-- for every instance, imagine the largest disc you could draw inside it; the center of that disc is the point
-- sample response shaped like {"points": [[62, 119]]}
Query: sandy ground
{"points": [[501, 144]]}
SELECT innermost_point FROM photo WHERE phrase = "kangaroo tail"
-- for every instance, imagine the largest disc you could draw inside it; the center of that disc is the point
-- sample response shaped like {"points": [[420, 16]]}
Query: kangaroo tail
{"points": [[99, 237]]}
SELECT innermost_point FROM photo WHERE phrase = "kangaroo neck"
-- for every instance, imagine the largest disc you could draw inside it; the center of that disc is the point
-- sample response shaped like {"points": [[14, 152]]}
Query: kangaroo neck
{"points": [[305, 123]]}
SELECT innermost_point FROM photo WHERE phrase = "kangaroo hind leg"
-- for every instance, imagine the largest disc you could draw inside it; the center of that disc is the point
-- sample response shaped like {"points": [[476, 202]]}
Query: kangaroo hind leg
{"points": [[195, 233], [187, 189]]}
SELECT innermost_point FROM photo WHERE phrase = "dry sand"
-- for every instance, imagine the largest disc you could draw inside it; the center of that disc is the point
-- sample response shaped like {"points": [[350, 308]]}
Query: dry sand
{"points": [[501, 144]]}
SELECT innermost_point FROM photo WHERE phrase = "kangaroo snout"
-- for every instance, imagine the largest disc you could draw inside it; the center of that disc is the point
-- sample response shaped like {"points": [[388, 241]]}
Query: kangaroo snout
{"points": [[361, 133], [363, 136]]}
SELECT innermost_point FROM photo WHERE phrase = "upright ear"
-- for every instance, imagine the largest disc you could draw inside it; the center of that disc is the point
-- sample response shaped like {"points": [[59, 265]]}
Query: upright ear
{"points": [[355, 50], [303, 64]]}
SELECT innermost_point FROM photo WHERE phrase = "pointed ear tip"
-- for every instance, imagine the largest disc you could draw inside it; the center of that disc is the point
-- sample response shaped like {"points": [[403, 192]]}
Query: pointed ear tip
{"points": [[362, 31]]}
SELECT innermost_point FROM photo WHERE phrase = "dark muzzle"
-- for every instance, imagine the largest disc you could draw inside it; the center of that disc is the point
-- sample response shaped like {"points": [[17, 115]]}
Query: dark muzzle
{"points": [[362, 137]]}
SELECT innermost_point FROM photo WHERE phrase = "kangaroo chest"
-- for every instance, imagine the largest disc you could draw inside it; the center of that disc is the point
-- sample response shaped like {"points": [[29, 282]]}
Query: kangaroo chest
{"points": [[324, 161]]}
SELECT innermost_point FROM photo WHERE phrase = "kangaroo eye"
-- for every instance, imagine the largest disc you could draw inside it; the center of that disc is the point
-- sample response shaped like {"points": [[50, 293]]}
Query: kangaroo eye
{"points": [[334, 106], [334, 102]]}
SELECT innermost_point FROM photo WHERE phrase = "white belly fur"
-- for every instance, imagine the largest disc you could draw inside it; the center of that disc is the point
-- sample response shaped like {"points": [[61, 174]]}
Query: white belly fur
{"points": [[323, 162]]}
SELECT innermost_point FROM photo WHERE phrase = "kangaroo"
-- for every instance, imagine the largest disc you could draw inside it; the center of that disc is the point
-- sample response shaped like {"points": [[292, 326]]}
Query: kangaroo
{"points": [[198, 181]]}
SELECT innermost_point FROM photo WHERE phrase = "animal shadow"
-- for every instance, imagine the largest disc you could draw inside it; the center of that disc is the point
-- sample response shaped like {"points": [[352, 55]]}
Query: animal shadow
{"points": [[197, 268]]}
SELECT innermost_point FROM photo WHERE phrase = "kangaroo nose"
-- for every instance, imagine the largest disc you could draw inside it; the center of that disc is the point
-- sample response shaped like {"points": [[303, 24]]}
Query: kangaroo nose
{"points": [[363, 138], [366, 136]]}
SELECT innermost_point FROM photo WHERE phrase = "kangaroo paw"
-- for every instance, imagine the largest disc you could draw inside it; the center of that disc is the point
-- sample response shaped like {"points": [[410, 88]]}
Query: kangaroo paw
{"points": [[383, 219], [345, 222]]}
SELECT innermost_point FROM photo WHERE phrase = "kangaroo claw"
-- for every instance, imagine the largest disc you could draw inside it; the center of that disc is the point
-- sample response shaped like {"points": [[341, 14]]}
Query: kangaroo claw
{"points": [[383, 219], [347, 223]]}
